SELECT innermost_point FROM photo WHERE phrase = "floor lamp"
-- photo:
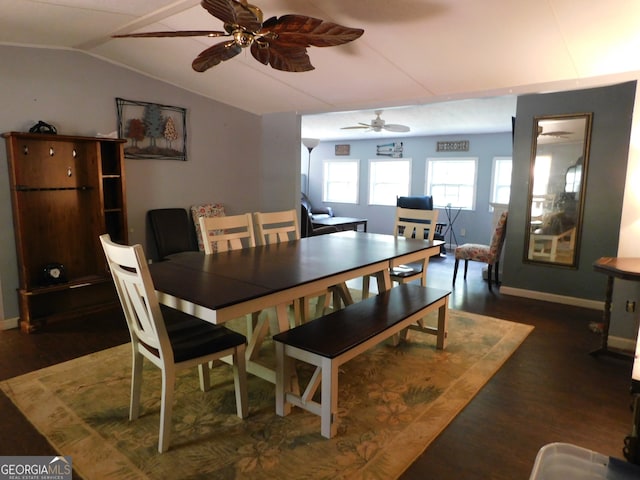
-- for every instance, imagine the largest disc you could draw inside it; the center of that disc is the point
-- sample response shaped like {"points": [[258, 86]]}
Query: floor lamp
{"points": [[310, 143]]}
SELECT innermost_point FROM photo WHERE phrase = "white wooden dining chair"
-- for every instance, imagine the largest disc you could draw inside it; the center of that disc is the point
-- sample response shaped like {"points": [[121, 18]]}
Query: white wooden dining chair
{"points": [[283, 226], [232, 232], [410, 223], [276, 227], [169, 339], [221, 234]]}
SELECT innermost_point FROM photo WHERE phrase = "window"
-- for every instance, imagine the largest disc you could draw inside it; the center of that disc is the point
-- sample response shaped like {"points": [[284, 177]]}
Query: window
{"points": [[541, 202], [501, 180], [541, 173], [452, 181], [340, 181], [388, 179]]}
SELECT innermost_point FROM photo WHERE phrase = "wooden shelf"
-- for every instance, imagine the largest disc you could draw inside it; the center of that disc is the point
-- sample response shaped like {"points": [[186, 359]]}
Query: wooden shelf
{"points": [[76, 283], [66, 191]]}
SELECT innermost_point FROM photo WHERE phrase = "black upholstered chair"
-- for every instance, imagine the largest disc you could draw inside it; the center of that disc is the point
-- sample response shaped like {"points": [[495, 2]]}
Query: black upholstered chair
{"points": [[307, 214], [172, 231]]}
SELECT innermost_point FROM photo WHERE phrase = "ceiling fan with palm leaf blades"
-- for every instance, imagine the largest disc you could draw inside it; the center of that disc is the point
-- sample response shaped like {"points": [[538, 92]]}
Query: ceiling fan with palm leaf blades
{"points": [[280, 42], [378, 124]]}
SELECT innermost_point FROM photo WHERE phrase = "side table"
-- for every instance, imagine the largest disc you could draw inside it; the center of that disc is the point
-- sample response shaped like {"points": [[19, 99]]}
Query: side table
{"points": [[626, 269], [614, 267], [342, 223]]}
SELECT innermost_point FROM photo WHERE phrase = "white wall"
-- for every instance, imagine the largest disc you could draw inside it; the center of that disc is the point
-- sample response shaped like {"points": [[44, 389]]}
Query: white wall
{"points": [[76, 93], [280, 177]]}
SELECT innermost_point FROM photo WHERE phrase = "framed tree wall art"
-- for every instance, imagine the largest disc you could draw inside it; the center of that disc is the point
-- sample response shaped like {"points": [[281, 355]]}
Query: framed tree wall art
{"points": [[152, 130]]}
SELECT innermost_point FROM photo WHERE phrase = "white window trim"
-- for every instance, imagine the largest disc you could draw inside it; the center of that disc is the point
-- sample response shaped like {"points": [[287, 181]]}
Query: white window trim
{"points": [[454, 159], [497, 159], [387, 160], [357, 179]]}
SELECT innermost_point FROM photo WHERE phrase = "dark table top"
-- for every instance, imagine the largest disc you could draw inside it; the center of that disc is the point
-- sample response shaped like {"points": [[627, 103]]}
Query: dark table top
{"points": [[333, 221], [225, 279], [627, 268]]}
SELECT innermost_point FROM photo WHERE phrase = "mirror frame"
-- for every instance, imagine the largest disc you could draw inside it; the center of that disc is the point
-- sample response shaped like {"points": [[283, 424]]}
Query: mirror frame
{"points": [[579, 195]]}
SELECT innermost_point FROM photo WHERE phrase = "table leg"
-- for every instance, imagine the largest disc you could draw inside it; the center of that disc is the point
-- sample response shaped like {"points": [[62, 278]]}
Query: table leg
{"points": [[606, 321], [264, 324], [384, 280], [285, 373]]}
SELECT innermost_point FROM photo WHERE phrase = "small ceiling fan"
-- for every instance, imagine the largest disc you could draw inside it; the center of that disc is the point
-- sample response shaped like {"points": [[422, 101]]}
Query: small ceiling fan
{"points": [[279, 42], [555, 134], [378, 124]]}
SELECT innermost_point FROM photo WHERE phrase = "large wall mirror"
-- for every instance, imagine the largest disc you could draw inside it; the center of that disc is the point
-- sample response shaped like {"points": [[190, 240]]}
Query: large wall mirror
{"points": [[559, 160]]}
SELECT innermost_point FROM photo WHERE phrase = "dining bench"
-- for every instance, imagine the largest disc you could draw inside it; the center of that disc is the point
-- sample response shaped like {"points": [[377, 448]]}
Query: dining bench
{"points": [[330, 341]]}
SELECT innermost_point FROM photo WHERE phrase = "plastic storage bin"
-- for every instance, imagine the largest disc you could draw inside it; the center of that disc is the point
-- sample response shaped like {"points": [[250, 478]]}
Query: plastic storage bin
{"points": [[563, 461]]}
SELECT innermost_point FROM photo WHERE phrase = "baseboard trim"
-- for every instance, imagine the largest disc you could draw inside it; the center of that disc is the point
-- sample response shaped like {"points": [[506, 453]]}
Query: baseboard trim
{"points": [[9, 323], [554, 298], [621, 343]]}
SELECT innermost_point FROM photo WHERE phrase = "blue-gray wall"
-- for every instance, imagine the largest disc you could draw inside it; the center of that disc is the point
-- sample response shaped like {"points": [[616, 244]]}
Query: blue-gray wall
{"points": [[612, 109], [477, 223]]}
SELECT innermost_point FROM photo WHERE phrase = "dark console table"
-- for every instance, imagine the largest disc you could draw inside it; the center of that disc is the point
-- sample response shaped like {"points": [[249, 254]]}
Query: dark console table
{"points": [[341, 223], [626, 269]]}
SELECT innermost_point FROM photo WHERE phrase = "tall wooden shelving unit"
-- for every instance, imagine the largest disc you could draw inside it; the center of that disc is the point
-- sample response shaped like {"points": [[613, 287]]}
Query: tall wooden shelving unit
{"points": [[66, 191]]}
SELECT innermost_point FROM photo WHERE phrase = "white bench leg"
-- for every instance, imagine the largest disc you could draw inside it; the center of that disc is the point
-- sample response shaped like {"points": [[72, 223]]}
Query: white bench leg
{"points": [[443, 320], [329, 395]]}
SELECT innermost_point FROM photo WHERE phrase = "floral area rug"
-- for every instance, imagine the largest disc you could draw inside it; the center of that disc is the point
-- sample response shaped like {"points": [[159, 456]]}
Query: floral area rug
{"points": [[393, 401]]}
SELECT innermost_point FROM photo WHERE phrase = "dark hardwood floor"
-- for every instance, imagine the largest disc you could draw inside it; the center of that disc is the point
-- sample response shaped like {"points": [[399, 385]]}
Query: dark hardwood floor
{"points": [[550, 390]]}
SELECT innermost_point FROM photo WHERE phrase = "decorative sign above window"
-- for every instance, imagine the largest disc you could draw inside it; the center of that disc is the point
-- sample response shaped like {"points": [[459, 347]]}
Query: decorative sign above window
{"points": [[343, 149], [453, 146], [390, 150]]}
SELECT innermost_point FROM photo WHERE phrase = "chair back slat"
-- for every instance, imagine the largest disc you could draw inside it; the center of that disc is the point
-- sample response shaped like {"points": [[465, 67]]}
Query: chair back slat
{"points": [[277, 227], [497, 239], [221, 234], [135, 289], [412, 223]]}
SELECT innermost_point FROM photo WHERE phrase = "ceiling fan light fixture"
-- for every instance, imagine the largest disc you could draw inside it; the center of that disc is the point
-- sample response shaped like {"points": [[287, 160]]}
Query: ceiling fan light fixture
{"points": [[378, 125]]}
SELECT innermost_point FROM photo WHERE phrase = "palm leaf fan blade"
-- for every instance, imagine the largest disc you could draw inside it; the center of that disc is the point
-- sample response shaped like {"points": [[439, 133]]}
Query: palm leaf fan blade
{"points": [[233, 12], [308, 31], [182, 33], [287, 58], [212, 56]]}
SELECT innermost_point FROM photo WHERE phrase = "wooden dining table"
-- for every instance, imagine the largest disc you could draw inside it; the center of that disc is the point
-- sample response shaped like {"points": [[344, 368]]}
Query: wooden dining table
{"points": [[227, 285]]}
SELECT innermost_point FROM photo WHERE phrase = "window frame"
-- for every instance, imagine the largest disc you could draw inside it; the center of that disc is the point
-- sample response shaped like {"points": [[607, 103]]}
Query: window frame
{"points": [[474, 184], [326, 188], [494, 184], [371, 186]]}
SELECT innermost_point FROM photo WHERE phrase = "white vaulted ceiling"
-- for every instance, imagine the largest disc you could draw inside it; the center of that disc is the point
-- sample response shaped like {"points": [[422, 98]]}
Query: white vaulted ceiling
{"points": [[431, 55]]}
